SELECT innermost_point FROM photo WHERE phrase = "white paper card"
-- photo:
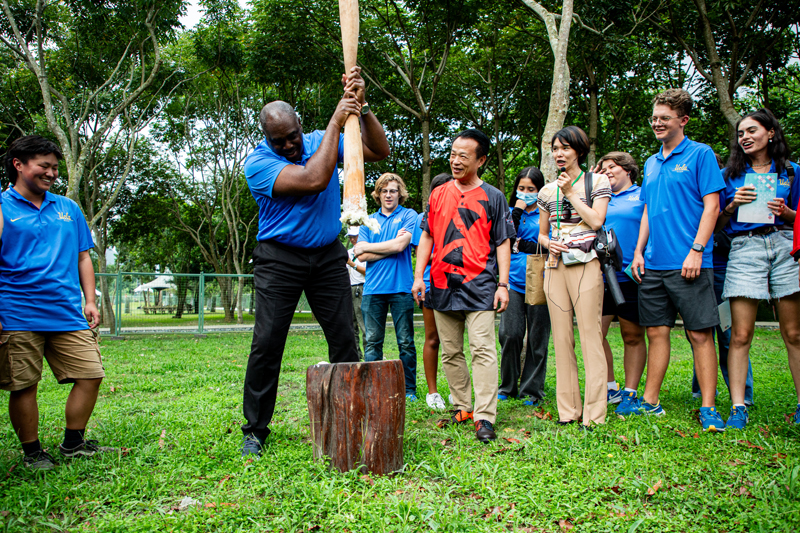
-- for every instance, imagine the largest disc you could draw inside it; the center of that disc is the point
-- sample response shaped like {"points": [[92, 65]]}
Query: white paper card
{"points": [[725, 315], [757, 211]]}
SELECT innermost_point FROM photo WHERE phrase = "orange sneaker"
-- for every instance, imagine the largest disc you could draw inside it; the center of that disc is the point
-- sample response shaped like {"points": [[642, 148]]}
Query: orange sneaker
{"points": [[457, 417]]}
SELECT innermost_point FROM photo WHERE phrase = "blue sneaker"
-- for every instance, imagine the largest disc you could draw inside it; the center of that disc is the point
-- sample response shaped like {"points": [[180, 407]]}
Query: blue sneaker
{"points": [[650, 409], [411, 397], [796, 418], [503, 397], [738, 418], [630, 404], [614, 395], [532, 402], [711, 421]]}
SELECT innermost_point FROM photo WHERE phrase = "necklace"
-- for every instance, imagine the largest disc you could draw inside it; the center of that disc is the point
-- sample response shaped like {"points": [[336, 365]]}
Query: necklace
{"points": [[761, 166], [558, 205]]}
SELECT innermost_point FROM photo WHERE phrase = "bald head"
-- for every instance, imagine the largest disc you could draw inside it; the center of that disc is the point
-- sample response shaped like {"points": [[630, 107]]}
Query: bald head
{"points": [[282, 129], [277, 113]]}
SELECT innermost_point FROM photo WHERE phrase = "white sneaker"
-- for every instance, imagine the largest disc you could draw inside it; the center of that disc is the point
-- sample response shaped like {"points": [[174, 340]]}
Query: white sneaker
{"points": [[450, 398], [435, 401]]}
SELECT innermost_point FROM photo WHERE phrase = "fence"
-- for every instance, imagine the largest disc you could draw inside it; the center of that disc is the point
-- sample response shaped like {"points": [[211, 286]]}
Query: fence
{"points": [[152, 302]]}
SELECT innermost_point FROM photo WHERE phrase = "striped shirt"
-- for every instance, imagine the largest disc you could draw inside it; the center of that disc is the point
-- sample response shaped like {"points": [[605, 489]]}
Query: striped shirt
{"points": [[575, 233]]}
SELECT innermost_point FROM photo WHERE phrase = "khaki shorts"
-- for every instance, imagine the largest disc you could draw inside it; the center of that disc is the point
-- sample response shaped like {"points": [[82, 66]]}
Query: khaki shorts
{"points": [[71, 355]]}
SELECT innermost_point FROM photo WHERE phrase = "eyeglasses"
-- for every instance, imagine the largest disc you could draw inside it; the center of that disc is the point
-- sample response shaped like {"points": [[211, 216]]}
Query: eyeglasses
{"points": [[660, 120], [390, 191]]}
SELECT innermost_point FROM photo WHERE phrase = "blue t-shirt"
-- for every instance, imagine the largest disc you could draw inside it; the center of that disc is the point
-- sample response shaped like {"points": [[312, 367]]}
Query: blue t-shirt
{"points": [[789, 192], [673, 190], [528, 230], [624, 216], [301, 221], [426, 277], [40, 287], [392, 274]]}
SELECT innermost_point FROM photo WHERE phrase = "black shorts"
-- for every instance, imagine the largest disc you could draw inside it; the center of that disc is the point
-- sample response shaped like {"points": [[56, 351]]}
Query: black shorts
{"points": [[426, 303], [630, 309], [664, 293]]}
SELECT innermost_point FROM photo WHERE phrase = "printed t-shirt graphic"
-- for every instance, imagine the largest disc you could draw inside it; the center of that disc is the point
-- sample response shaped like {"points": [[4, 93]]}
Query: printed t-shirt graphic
{"points": [[466, 229]]}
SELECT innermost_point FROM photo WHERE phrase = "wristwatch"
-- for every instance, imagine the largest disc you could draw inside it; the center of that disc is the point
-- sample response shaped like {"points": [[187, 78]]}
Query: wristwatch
{"points": [[503, 285], [365, 109], [697, 247]]}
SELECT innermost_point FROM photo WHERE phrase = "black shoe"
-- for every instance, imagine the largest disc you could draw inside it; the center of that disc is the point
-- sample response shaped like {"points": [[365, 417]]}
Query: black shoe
{"points": [[87, 449], [565, 423], [39, 460], [585, 428], [251, 445], [484, 431]]}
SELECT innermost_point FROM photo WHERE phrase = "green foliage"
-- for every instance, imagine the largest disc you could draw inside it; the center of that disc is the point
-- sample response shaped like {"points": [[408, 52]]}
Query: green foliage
{"points": [[174, 404]]}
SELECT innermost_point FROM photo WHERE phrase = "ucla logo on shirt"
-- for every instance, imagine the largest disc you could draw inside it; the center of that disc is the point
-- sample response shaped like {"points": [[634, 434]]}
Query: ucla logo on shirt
{"points": [[633, 198], [784, 183], [680, 168], [64, 216]]}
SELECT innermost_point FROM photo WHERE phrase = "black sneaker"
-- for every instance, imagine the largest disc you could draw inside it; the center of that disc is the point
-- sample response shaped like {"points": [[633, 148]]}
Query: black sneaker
{"points": [[484, 431], [39, 460], [87, 449], [251, 445]]}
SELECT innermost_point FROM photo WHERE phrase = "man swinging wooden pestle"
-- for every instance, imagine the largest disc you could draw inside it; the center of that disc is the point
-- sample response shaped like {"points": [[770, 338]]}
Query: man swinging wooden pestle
{"points": [[293, 178]]}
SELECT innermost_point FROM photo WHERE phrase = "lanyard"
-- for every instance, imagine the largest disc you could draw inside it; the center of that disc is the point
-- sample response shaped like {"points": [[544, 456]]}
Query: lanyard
{"points": [[558, 204]]}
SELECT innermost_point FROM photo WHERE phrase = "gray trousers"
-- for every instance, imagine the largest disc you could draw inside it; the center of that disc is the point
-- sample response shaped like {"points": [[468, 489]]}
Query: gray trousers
{"points": [[358, 317], [513, 324]]}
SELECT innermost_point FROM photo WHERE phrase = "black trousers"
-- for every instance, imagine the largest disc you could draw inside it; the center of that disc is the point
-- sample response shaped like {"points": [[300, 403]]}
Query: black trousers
{"points": [[518, 318], [281, 274]]}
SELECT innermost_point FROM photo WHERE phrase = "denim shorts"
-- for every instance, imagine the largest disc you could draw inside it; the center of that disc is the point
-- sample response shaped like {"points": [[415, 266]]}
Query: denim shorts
{"points": [[761, 267]]}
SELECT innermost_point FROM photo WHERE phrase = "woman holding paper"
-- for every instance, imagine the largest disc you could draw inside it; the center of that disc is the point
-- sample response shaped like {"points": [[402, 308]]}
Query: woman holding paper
{"points": [[760, 264]]}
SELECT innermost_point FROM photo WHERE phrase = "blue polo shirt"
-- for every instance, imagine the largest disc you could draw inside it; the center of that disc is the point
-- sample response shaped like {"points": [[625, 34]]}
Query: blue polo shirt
{"points": [[392, 274], [301, 221], [426, 277], [790, 192], [528, 230], [40, 288], [673, 190], [624, 216]]}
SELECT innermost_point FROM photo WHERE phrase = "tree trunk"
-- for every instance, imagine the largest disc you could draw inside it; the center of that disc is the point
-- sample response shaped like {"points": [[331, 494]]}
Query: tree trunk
{"points": [[498, 148], [226, 298], [593, 118], [559, 90], [183, 283], [426, 159], [357, 414], [239, 298]]}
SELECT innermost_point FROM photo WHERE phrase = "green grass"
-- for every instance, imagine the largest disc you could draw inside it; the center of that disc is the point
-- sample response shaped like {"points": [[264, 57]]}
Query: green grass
{"points": [[189, 391]]}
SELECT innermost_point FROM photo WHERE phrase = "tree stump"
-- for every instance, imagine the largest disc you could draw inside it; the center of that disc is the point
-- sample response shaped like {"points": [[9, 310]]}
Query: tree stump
{"points": [[357, 413]]}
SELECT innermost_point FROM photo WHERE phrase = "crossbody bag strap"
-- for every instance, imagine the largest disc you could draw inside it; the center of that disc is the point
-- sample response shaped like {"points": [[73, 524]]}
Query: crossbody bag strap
{"points": [[587, 183]]}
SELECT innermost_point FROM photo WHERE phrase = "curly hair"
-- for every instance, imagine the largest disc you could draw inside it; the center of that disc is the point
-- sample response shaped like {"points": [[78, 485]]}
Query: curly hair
{"points": [[384, 180], [677, 100]]}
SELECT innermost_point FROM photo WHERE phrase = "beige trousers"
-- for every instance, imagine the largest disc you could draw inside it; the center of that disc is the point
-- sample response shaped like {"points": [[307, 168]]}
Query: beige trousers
{"points": [[578, 290], [482, 347]]}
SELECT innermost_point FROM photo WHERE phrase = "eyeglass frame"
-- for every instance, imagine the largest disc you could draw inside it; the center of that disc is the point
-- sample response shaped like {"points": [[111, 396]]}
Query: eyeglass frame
{"points": [[661, 120]]}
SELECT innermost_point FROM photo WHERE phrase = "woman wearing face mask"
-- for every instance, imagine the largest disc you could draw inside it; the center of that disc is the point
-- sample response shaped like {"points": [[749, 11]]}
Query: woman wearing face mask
{"points": [[573, 282], [760, 264], [624, 216], [520, 317]]}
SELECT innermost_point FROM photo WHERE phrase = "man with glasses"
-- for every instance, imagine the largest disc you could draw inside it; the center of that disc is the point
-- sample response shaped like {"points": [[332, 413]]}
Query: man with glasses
{"points": [[673, 260], [389, 276]]}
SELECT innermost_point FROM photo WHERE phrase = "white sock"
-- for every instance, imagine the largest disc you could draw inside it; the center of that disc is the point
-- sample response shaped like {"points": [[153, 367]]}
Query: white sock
{"points": [[627, 389], [612, 385], [739, 405]]}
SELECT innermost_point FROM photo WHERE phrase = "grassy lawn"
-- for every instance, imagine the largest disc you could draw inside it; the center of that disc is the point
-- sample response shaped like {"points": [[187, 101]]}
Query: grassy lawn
{"points": [[175, 404]]}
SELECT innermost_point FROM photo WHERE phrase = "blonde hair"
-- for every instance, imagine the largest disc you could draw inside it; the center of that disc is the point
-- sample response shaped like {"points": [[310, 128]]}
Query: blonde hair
{"points": [[384, 180]]}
